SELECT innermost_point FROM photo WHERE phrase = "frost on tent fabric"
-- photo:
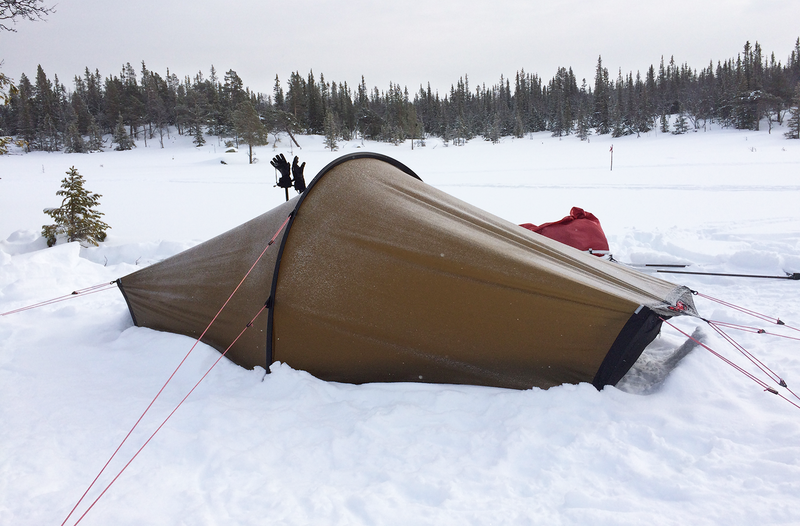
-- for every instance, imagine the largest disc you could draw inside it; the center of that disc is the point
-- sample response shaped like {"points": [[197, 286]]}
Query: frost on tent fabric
{"points": [[379, 277]]}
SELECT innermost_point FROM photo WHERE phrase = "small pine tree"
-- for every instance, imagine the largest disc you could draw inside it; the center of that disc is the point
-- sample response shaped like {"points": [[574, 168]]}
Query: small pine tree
{"points": [[48, 138], [519, 128], [198, 140], [583, 126], [681, 125], [74, 140], [76, 217], [494, 129], [5, 98], [794, 121], [249, 128], [121, 137], [96, 141], [421, 135], [331, 131], [447, 136], [664, 123], [618, 128]]}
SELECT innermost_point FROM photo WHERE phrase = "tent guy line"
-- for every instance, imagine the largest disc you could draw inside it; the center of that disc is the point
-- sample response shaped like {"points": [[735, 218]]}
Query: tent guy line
{"points": [[755, 361], [74, 294], [773, 377], [158, 394], [163, 423], [756, 330], [750, 312]]}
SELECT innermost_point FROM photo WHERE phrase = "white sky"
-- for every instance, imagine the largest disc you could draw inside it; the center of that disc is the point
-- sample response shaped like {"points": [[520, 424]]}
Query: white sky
{"points": [[410, 43]]}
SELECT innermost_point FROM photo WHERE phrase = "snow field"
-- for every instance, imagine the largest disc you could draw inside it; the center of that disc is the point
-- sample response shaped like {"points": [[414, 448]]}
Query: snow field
{"points": [[707, 446]]}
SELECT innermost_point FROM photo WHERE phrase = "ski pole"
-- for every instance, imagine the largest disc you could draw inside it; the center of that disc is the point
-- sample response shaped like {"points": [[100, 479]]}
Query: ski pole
{"points": [[793, 276]]}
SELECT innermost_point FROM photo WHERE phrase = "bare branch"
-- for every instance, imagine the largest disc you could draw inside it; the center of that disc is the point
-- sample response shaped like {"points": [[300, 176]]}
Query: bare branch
{"points": [[12, 10]]}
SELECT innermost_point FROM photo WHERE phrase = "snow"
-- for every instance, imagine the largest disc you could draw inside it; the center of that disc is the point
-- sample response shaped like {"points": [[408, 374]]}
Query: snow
{"points": [[705, 446]]}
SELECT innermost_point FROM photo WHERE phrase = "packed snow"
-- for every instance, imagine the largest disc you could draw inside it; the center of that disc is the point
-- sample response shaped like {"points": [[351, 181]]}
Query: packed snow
{"points": [[700, 445]]}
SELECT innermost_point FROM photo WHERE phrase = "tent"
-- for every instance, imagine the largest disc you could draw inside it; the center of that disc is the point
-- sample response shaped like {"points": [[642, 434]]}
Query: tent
{"points": [[376, 277]]}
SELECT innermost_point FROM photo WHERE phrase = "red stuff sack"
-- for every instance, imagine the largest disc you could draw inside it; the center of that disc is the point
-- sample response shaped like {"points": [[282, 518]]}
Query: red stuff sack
{"points": [[579, 229]]}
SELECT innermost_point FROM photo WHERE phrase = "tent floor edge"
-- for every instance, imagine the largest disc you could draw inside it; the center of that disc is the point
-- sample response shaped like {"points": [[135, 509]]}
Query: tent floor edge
{"points": [[637, 333]]}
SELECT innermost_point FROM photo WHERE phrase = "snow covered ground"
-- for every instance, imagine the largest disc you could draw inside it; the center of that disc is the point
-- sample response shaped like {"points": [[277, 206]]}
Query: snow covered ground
{"points": [[706, 446]]}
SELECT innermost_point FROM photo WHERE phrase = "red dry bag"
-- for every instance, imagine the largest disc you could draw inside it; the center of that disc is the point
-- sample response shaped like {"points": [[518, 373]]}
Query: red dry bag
{"points": [[579, 229]]}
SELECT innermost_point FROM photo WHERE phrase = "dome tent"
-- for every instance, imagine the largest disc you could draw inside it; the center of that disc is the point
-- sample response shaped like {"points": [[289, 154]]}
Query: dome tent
{"points": [[379, 277]]}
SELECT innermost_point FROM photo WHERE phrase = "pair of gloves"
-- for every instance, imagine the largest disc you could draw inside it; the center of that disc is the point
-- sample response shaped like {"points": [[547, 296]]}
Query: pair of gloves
{"points": [[282, 165]]}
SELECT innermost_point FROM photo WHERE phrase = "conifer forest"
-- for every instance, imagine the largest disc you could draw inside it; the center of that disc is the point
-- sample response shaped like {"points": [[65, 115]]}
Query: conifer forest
{"points": [[748, 91]]}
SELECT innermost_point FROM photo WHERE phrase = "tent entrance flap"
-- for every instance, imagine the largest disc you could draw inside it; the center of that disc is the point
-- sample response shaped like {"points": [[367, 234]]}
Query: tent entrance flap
{"points": [[640, 330]]}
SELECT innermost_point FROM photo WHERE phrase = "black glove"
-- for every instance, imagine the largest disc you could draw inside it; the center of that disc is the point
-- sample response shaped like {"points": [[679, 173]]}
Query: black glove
{"points": [[297, 171], [282, 165]]}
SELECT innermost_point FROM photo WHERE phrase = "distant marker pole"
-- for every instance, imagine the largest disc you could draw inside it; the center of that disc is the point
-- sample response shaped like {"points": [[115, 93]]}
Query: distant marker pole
{"points": [[612, 157]]}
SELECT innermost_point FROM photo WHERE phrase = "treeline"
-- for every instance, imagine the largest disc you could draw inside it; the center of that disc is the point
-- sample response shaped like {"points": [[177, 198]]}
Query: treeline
{"points": [[743, 92]]}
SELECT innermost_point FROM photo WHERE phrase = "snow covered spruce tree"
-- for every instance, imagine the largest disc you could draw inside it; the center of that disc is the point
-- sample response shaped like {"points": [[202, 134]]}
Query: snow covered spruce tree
{"points": [[74, 140], [197, 133], [248, 127], [75, 218], [794, 121], [681, 125], [96, 141], [121, 137], [331, 131], [5, 98]]}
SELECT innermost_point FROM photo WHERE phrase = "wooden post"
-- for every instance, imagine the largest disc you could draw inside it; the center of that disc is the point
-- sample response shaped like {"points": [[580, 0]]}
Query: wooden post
{"points": [[612, 157]]}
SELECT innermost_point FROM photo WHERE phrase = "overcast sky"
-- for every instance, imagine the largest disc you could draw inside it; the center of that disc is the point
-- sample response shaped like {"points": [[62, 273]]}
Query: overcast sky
{"points": [[409, 42]]}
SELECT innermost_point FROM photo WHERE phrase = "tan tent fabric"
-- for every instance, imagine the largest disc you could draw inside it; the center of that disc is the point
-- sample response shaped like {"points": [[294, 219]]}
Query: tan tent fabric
{"points": [[182, 294], [381, 277]]}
